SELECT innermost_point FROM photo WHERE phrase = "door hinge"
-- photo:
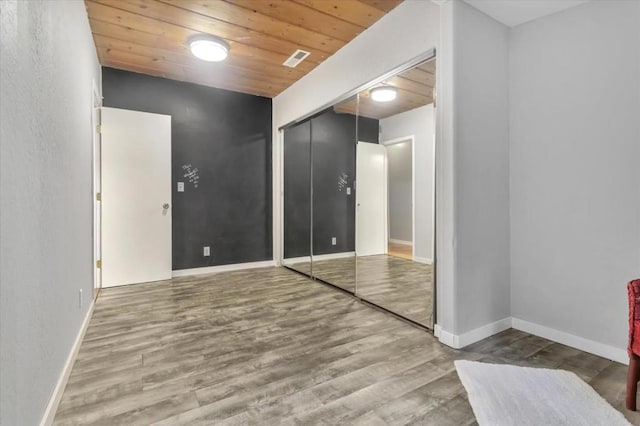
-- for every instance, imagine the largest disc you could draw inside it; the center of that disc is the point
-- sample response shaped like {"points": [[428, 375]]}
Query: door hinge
{"points": [[99, 196], [98, 263], [98, 128]]}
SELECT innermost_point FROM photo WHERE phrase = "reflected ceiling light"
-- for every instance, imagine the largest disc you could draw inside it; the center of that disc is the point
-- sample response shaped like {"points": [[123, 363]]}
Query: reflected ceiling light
{"points": [[208, 48], [384, 93]]}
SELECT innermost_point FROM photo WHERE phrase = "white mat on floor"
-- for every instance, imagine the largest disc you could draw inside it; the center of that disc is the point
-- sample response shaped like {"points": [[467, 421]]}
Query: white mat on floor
{"points": [[510, 395]]}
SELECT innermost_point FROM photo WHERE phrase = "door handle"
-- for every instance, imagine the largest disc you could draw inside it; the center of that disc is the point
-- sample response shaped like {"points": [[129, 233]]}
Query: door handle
{"points": [[165, 206]]}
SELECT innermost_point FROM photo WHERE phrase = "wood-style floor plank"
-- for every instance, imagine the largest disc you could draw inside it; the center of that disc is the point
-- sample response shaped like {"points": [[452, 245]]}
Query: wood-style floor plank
{"points": [[404, 251], [270, 346], [397, 284]]}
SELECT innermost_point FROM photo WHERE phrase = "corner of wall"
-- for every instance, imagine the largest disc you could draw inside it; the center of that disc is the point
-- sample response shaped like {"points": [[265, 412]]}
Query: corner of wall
{"points": [[445, 176], [58, 391], [459, 341]]}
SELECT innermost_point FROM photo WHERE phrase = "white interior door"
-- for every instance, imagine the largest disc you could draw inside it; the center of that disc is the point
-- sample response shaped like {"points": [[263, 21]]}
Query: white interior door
{"points": [[371, 199], [136, 197]]}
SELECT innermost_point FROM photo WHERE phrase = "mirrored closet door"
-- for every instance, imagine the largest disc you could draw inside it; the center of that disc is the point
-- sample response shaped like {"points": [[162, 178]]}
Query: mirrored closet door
{"points": [[319, 196], [297, 198], [358, 194], [333, 136], [395, 197]]}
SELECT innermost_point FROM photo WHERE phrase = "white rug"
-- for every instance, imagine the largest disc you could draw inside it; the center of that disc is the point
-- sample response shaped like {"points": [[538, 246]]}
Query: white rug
{"points": [[509, 395]]}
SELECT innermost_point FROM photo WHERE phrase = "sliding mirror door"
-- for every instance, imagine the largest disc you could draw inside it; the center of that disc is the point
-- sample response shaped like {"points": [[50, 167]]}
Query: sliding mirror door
{"points": [[359, 195], [333, 136], [297, 198], [395, 197]]}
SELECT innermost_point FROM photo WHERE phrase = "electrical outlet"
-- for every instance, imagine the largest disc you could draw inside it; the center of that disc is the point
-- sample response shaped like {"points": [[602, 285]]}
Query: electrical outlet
{"points": [[348, 190], [180, 186], [334, 241], [80, 298], [206, 251]]}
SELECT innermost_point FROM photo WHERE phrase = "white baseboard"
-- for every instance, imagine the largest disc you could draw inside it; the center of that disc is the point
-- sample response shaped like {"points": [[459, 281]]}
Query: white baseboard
{"points": [[473, 336], [222, 268], [403, 242], [591, 346], [445, 337], [426, 260], [318, 257], [586, 345], [294, 260], [56, 396], [483, 332], [331, 256]]}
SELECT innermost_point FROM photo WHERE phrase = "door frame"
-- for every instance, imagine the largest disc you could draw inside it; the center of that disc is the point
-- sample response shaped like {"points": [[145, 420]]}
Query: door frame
{"points": [[151, 243], [395, 141], [96, 105]]}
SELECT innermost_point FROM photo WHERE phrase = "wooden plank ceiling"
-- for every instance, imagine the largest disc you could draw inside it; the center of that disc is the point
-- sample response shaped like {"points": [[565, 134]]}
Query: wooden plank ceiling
{"points": [[414, 89], [149, 37]]}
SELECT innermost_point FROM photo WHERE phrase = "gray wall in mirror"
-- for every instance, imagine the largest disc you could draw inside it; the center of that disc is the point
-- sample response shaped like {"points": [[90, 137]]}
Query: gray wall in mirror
{"points": [[333, 142], [400, 175], [297, 190]]}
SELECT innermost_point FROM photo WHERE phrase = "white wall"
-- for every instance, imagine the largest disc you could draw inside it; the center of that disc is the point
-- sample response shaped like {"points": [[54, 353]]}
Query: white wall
{"points": [[575, 186], [481, 170], [47, 65], [420, 123]]}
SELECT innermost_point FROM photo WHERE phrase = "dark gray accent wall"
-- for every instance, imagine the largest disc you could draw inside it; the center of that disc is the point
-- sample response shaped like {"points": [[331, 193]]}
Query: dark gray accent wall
{"points": [[221, 150], [325, 147], [297, 190]]}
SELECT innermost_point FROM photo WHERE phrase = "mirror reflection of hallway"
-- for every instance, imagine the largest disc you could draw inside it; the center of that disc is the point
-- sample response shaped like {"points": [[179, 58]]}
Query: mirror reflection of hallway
{"points": [[399, 276], [400, 199]]}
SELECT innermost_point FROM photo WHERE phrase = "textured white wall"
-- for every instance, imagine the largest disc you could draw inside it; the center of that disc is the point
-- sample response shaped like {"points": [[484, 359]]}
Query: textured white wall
{"points": [[420, 123], [47, 66], [575, 187]]}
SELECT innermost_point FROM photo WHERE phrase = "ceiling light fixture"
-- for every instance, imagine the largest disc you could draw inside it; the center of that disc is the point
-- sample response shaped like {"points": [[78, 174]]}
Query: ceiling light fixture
{"points": [[208, 48], [383, 93]]}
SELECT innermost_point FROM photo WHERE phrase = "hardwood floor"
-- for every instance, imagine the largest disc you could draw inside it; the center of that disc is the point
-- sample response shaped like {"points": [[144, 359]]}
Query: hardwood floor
{"points": [[399, 285], [270, 347], [404, 251]]}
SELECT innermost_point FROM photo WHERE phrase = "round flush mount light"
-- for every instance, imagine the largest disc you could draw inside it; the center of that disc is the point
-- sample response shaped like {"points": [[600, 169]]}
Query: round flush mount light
{"points": [[384, 94], [208, 48]]}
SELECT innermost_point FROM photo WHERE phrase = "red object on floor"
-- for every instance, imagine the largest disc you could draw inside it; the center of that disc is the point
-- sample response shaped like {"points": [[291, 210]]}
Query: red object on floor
{"points": [[633, 373]]}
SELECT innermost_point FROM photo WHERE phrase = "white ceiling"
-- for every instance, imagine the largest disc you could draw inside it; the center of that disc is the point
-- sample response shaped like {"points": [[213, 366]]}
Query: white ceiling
{"points": [[516, 12]]}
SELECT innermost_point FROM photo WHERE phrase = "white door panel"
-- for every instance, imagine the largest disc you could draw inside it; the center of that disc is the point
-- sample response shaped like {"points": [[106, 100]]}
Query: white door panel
{"points": [[136, 186], [371, 199]]}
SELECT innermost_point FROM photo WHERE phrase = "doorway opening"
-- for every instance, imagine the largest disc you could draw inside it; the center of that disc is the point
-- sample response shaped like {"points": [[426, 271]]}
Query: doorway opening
{"points": [[401, 197]]}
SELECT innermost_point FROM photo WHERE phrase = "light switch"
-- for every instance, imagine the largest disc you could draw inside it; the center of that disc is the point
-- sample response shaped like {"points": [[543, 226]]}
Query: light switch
{"points": [[334, 241], [180, 186], [348, 190]]}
